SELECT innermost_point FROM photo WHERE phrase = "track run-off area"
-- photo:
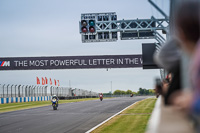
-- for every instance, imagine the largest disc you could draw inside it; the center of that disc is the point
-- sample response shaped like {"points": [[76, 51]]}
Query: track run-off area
{"points": [[76, 117]]}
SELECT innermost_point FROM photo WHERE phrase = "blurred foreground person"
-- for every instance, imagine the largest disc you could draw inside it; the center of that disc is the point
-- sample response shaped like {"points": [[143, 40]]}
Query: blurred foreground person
{"points": [[161, 87], [188, 31], [169, 58], [166, 84]]}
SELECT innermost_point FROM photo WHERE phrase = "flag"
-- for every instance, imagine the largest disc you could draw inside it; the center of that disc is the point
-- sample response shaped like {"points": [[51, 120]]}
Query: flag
{"points": [[43, 81], [46, 80], [55, 82], [38, 80], [58, 82], [50, 81]]}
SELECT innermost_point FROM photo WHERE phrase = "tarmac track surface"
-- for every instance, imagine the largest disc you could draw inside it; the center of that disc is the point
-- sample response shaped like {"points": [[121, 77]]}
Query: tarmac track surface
{"points": [[76, 117]]}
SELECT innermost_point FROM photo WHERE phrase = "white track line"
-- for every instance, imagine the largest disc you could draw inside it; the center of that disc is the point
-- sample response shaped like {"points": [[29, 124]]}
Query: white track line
{"points": [[109, 118]]}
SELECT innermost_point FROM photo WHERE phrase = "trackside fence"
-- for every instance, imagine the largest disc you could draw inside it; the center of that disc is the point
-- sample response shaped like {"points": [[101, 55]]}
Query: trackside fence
{"points": [[10, 93]]}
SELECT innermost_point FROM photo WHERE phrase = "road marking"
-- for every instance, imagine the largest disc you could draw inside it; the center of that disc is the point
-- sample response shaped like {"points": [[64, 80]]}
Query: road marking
{"points": [[109, 118]]}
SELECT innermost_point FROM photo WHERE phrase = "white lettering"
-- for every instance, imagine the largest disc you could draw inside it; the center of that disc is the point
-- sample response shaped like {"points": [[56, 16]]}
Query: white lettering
{"points": [[71, 62], [131, 61], [56, 62], [38, 63], [63, 62], [112, 61], [120, 61], [141, 61], [20, 63], [51, 62], [136, 60], [25, 63]]}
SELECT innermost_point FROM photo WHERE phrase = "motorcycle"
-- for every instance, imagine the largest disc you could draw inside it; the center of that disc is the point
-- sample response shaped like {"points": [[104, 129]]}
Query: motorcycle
{"points": [[101, 97], [54, 104]]}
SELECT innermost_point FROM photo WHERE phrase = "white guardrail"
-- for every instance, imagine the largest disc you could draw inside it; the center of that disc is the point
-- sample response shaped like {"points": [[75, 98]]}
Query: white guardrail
{"points": [[155, 117]]}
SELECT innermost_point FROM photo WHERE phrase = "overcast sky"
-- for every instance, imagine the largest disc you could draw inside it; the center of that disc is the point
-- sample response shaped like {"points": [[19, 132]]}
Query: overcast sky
{"points": [[34, 28]]}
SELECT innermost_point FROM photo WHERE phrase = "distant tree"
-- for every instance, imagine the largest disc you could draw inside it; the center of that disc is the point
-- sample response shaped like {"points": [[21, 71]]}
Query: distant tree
{"points": [[117, 92], [134, 93], [146, 92], [141, 91], [151, 91], [123, 92], [129, 92]]}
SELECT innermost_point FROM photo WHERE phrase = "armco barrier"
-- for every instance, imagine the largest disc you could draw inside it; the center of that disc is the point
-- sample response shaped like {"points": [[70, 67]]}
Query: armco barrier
{"points": [[24, 99]]}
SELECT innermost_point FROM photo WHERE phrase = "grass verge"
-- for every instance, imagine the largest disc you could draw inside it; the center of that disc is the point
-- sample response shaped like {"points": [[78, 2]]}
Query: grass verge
{"points": [[28, 105], [132, 120]]}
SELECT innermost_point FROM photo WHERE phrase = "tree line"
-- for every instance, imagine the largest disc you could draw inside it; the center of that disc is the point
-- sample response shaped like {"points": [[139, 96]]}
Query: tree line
{"points": [[139, 92]]}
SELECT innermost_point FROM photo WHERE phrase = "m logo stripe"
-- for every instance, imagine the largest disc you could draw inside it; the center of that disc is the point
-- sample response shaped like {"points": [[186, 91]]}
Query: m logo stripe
{"points": [[4, 63]]}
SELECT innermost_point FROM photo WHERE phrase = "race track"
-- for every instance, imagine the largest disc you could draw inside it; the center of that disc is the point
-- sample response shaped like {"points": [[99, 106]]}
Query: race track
{"points": [[69, 118]]}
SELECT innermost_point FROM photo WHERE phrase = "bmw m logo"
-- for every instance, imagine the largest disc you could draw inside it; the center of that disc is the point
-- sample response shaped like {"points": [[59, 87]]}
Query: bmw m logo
{"points": [[4, 63]]}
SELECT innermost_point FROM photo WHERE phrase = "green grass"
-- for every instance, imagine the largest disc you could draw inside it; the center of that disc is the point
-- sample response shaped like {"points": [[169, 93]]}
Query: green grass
{"points": [[132, 120], [27, 105]]}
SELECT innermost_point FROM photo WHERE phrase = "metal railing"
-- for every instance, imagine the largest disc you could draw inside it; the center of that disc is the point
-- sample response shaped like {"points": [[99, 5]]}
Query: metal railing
{"points": [[12, 90]]}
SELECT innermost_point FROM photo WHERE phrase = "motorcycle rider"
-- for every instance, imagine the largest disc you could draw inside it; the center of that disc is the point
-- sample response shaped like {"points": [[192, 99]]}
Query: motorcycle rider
{"points": [[101, 95], [55, 97]]}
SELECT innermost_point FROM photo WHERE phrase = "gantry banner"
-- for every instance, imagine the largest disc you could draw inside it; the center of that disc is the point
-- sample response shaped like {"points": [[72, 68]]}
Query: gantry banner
{"points": [[70, 62]]}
